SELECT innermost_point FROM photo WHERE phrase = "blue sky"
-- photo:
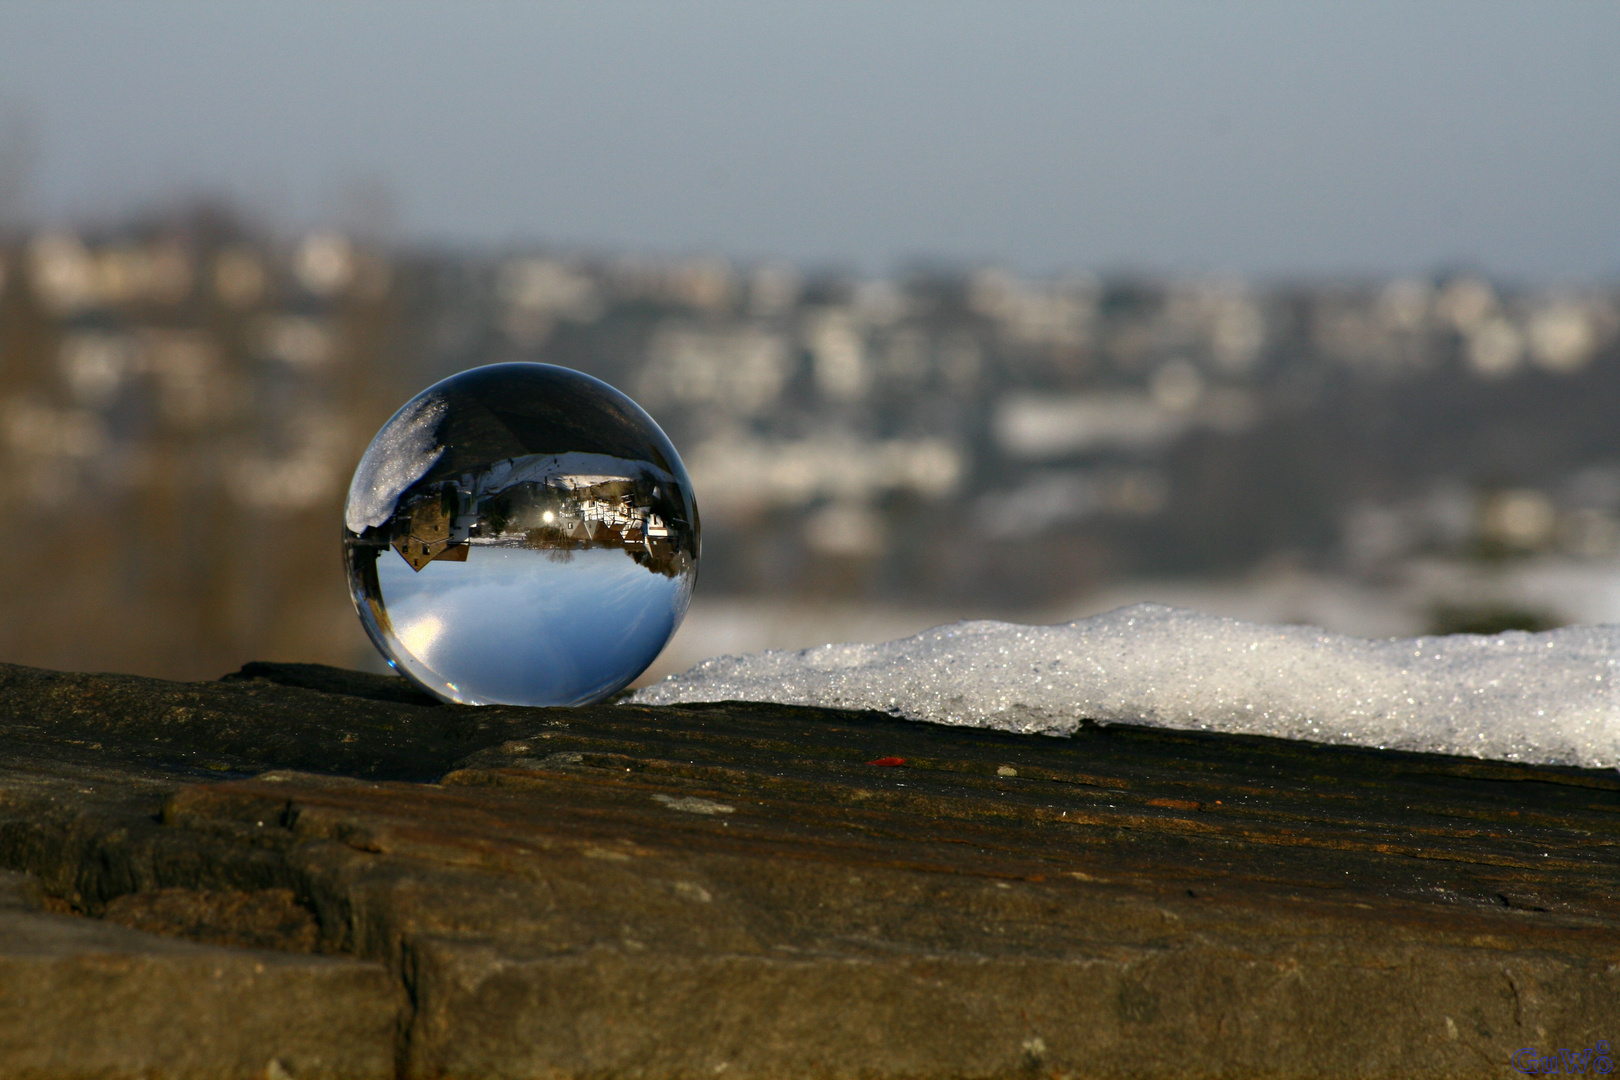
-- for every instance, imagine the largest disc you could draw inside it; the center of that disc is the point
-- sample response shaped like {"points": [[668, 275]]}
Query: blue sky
{"points": [[1263, 138]]}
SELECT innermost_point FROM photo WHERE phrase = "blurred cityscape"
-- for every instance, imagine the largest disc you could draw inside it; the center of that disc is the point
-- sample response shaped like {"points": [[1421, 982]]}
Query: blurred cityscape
{"points": [[182, 402]]}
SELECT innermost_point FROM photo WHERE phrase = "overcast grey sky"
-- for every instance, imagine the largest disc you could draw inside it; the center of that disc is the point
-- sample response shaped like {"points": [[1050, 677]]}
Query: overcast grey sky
{"points": [[1264, 138]]}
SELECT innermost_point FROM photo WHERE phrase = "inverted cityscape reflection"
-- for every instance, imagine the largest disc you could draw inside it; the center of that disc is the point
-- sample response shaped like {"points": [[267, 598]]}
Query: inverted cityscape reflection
{"points": [[521, 534]]}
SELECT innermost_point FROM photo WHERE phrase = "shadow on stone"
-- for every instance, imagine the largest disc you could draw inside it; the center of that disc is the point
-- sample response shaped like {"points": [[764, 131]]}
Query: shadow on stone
{"points": [[262, 919]]}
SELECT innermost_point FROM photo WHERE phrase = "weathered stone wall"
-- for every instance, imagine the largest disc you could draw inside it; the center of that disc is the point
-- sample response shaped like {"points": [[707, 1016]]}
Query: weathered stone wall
{"points": [[307, 872]]}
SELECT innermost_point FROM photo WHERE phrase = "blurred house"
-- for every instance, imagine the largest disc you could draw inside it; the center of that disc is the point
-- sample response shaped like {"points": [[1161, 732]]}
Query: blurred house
{"points": [[180, 408]]}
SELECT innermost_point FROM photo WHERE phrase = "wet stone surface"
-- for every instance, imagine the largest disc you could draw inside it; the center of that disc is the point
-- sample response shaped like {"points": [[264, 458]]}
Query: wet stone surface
{"points": [[306, 872]]}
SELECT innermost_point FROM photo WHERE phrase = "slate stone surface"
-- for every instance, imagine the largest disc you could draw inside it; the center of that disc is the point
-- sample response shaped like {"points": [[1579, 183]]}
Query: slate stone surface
{"points": [[80, 997], [389, 885]]}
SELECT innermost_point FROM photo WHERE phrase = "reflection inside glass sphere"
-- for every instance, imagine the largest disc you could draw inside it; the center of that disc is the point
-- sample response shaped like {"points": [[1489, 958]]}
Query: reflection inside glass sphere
{"points": [[521, 534]]}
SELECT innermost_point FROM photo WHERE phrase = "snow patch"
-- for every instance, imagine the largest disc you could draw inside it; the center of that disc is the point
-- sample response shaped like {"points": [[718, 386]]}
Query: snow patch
{"points": [[1546, 698]]}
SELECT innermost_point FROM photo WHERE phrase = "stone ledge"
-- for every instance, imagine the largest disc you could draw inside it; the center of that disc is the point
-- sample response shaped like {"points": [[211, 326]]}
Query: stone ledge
{"points": [[741, 890], [81, 997]]}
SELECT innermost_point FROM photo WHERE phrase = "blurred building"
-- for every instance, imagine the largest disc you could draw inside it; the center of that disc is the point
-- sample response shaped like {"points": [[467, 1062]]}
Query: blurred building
{"points": [[181, 405], [180, 408]]}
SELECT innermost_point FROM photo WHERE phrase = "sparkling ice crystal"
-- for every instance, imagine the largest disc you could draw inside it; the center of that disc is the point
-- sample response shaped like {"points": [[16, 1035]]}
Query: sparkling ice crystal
{"points": [[1547, 698], [521, 534]]}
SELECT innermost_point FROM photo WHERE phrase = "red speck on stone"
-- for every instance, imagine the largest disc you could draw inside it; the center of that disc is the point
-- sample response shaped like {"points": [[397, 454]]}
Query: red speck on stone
{"points": [[887, 762]]}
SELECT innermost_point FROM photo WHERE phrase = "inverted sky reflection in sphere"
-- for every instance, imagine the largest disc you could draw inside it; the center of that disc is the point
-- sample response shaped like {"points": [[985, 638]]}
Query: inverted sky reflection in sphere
{"points": [[566, 627]]}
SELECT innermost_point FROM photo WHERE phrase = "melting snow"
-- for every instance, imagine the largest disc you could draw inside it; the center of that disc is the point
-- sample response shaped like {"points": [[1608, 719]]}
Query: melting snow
{"points": [[1546, 698]]}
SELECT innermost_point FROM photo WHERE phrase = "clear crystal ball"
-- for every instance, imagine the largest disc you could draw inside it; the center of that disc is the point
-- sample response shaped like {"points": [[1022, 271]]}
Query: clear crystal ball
{"points": [[521, 534]]}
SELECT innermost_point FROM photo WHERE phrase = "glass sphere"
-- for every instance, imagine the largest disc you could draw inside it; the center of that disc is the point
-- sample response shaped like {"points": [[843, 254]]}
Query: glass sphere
{"points": [[521, 534]]}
